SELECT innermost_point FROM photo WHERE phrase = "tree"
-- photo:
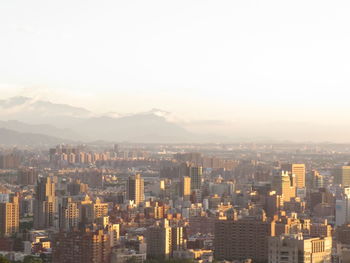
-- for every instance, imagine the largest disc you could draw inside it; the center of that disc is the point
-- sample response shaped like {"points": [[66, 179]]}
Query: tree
{"points": [[3, 259], [132, 260], [32, 259]]}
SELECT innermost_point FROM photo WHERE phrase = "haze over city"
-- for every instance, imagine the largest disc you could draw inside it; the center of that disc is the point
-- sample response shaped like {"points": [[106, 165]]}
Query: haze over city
{"points": [[187, 131], [218, 68]]}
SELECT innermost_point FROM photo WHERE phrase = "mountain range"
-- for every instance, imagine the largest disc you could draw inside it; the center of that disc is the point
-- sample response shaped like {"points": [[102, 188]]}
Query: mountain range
{"points": [[14, 138], [34, 121], [26, 117]]}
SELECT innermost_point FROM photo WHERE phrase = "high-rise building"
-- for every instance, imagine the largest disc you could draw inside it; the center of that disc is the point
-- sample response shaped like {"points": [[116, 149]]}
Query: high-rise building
{"points": [[287, 224], [321, 229], [273, 203], [299, 170], [283, 248], [92, 212], [10, 161], [81, 157], [342, 208], [297, 249], [185, 187], [95, 178], [28, 176], [342, 175], [135, 189], [69, 214], [82, 246], [193, 157], [9, 217], [316, 180], [116, 148], [343, 234], [100, 209], [177, 239], [284, 184], [163, 240], [159, 241], [87, 210], [77, 187], [114, 233], [196, 174], [88, 158], [323, 197], [245, 238], [45, 209], [4, 198]]}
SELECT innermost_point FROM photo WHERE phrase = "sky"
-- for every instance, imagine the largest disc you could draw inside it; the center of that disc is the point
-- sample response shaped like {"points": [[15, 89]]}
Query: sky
{"points": [[264, 61]]}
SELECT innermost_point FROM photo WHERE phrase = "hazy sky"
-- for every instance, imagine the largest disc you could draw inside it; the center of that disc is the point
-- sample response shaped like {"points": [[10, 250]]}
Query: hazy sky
{"points": [[199, 59]]}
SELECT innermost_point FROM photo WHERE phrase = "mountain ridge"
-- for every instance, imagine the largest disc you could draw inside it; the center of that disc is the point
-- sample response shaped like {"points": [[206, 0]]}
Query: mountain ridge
{"points": [[14, 138], [24, 114]]}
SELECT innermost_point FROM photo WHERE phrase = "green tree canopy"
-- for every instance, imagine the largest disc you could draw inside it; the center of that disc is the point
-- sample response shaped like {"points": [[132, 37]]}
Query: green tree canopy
{"points": [[4, 260], [32, 259]]}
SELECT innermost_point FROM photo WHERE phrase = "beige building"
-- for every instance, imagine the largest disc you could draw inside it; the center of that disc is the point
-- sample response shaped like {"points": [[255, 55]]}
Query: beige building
{"points": [[69, 214], [297, 249], [299, 170], [45, 204], [159, 241], [163, 240], [114, 233], [177, 239], [135, 189], [284, 184], [93, 212], [9, 217], [185, 187], [100, 209], [342, 175], [316, 180], [243, 238], [81, 246]]}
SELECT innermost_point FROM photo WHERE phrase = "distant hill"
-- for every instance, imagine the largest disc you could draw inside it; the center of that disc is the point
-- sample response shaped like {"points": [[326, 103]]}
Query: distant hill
{"points": [[135, 128], [46, 129], [19, 107], [23, 114], [12, 138]]}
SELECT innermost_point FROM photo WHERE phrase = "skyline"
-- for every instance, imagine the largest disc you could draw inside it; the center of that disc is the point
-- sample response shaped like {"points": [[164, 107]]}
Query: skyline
{"points": [[188, 131], [68, 122]]}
